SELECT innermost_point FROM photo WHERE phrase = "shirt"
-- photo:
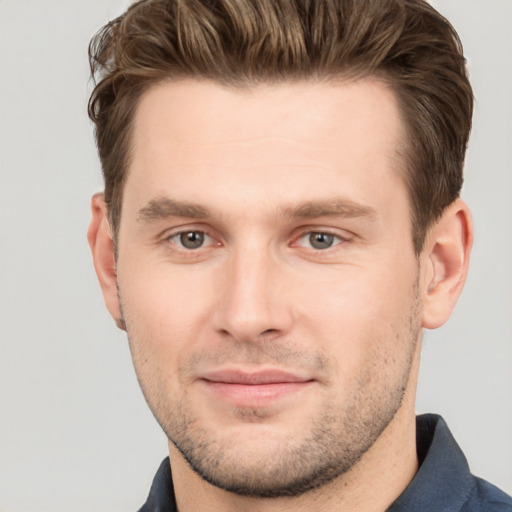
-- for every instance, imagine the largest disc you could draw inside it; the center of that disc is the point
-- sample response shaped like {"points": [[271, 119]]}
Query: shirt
{"points": [[443, 482]]}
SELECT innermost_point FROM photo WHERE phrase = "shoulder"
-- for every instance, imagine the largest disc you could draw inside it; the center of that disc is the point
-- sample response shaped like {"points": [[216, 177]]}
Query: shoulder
{"points": [[485, 497]]}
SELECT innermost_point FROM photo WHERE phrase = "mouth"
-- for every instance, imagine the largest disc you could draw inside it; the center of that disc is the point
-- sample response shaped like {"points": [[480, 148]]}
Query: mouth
{"points": [[254, 389]]}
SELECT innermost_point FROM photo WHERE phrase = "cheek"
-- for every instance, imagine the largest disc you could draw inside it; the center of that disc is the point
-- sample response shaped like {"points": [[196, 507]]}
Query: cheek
{"points": [[165, 298], [166, 314], [358, 315]]}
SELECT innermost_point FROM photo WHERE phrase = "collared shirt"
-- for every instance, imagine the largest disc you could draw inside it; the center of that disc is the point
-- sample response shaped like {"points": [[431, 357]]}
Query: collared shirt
{"points": [[443, 482]]}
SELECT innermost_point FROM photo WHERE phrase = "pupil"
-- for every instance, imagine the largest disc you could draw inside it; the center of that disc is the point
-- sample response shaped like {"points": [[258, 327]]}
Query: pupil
{"points": [[321, 240], [192, 239]]}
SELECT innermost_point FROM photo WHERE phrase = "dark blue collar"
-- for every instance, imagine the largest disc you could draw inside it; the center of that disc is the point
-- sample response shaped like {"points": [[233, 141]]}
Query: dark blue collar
{"points": [[443, 481]]}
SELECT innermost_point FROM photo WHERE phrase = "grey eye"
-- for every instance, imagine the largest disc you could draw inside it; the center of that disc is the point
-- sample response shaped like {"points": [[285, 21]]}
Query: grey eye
{"points": [[321, 240], [192, 239]]}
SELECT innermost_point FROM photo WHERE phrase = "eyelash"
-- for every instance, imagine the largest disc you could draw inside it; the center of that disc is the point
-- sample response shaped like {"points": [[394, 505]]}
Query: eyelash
{"points": [[336, 239], [175, 238]]}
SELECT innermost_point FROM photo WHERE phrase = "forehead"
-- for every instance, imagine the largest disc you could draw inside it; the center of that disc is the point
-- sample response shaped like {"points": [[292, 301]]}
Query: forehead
{"points": [[191, 132], [195, 110]]}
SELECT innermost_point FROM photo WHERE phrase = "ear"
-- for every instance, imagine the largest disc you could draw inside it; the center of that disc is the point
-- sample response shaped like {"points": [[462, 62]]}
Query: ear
{"points": [[446, 255], [100, 240]]}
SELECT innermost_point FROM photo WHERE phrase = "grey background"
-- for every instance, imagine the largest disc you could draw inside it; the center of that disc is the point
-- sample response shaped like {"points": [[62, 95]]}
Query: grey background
{"points": [[75, 433]]}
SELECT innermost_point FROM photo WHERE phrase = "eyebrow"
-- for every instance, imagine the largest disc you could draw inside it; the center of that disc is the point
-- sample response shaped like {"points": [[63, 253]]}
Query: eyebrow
{"points": [[163, 208], [331, 208]]}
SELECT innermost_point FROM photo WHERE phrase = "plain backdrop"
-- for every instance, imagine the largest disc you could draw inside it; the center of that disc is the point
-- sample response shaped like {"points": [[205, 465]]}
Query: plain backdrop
{"points": [[75, 433]]}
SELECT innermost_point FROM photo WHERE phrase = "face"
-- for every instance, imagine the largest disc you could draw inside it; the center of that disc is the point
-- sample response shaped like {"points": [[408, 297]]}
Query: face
{"points": [[267, 276]]}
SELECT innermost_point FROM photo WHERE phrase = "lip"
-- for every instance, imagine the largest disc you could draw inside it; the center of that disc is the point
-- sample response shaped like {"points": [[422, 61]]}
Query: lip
{"points": [[260, 377], [254, 389]]}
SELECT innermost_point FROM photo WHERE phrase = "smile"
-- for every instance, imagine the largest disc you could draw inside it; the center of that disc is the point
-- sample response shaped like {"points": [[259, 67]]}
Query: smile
{"points": [[259, 389]]}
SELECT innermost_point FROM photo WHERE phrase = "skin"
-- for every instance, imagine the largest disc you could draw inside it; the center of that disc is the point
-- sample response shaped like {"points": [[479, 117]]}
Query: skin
{"points": [[272, 297]]}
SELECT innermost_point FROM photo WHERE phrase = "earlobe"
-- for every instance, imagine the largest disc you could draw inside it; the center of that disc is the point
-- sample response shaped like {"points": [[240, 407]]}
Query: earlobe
{"points": [[102, 247], [446, 255]]}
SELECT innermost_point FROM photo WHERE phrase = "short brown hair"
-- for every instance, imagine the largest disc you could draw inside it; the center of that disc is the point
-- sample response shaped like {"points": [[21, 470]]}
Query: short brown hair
{"points": [[406, 43]]}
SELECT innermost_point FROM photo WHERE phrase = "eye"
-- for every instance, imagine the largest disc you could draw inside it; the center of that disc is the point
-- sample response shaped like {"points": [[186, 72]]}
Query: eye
{"points": [[191, 240], [319, 240]]}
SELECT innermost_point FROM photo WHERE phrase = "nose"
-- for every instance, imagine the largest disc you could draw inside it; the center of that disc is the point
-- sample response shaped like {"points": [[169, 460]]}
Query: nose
{"points": [[253, 304]]}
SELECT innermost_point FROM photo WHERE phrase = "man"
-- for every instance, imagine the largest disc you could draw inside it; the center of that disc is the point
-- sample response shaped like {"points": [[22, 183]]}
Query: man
{"points": [[281, 219]]}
